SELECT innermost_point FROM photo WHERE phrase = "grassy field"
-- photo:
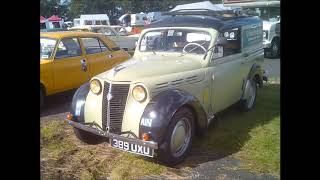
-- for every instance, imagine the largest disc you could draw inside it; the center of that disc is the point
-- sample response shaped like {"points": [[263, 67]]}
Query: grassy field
{"points": [[252, 137]]}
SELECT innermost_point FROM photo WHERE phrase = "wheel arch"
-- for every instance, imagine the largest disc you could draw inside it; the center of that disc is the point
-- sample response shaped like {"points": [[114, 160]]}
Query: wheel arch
{"points": [[165, 105], [43, 88]]}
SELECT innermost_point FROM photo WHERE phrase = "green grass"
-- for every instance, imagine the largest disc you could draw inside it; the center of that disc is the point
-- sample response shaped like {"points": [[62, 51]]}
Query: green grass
{"points": [[62, 155], [253, 137], [133, 166]]}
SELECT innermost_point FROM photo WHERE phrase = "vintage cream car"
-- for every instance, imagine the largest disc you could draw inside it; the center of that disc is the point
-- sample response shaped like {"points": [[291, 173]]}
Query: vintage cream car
{"points": [[185, 69]]}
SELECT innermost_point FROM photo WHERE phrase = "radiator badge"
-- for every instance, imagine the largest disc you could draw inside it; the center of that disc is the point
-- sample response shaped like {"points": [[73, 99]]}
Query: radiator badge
{"points": [[109, 96]]}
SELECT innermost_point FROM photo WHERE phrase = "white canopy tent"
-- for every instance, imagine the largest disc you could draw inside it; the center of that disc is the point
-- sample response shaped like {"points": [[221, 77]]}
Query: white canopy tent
{"points": [[202, 5]]}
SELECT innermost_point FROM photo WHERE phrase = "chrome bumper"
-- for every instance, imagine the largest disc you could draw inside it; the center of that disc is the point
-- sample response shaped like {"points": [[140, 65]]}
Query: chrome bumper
{"points": [[150, 144]]}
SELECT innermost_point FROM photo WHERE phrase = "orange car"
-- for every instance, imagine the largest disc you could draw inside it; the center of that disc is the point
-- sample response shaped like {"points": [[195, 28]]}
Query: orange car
{"points": [[69, 59]]}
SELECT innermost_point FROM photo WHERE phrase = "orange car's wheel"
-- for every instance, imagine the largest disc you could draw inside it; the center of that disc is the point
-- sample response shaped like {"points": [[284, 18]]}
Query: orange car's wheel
{"points": [[41, 98]]}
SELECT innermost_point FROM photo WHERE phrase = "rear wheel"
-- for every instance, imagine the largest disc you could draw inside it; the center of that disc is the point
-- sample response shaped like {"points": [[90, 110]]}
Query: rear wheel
{"points": [[87, 137], [274, 50], [250, 95], [179, 137]]}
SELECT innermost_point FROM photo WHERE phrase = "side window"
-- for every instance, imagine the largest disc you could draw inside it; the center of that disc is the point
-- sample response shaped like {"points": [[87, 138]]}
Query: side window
{"points": [[233, 42], [94, 45], [103, 46], [88, 22], [104, 22], [68, 47]]}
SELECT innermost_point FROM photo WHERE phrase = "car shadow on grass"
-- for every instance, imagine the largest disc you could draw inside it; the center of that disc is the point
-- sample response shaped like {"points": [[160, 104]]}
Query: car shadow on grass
{"points": [[230, 130], [57, 103]]}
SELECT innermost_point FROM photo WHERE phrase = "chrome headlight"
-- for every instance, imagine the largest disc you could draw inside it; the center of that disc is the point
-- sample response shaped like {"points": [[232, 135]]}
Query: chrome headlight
{"points": [[95, 86], [139, 93]]}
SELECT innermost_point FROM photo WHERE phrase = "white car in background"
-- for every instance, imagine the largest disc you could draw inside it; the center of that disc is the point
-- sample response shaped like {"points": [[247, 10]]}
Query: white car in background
{"points": [[122, 38]]}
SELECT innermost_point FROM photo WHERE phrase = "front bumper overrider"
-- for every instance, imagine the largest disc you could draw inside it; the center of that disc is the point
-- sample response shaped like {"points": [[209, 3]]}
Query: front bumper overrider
{"points": [[98, 132]]}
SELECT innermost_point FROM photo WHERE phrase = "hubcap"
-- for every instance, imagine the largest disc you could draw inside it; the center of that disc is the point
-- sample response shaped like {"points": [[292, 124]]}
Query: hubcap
{"points": [[275, 48], [180, 137]]}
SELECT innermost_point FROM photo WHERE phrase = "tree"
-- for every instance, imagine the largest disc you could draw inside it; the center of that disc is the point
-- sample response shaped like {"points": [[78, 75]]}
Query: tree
{"points": [[114, 8], [49, 7]]}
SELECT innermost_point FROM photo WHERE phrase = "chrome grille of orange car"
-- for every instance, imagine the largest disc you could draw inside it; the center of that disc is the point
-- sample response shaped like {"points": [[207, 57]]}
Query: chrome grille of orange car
{"points": [[113, 105]]}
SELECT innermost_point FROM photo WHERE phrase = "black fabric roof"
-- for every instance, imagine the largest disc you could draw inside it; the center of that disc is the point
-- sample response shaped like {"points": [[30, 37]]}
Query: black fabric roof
{"points": [[218, 23]]}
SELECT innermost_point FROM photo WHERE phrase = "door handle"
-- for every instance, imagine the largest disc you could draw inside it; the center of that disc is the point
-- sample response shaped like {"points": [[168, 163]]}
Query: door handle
{"points": [[83, 65], [110, 56], [83, 61]]}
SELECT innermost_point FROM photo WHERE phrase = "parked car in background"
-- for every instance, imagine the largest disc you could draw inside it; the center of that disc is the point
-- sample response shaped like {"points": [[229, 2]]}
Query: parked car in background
{"points": [[117, 28], [185, 69], [69, 59], [269, 12], [125, 41]]}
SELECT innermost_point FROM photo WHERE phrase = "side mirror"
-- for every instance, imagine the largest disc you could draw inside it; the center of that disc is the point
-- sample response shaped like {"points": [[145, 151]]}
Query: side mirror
{"points": [[221, 41]]}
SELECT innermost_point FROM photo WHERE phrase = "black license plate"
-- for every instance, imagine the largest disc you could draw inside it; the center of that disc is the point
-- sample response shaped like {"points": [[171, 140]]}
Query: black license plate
{"points": [[132, 148]]}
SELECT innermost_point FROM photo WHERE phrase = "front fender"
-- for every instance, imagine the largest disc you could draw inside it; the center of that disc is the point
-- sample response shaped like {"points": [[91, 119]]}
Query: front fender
{"points": [[160, 110], [78, 103]]}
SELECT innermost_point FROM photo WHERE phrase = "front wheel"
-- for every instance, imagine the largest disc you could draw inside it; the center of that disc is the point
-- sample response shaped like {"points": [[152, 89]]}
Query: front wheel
{"points": [[41, 98], [178, 138], [87, 137]]}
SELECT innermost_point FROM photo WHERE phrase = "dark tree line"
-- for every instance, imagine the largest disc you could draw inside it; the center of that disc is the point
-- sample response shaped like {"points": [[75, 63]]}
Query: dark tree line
{"points": [[114, 8]]}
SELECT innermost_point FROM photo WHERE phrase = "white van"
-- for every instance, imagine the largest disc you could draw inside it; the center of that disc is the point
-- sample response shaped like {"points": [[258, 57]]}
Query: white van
{"points": [[92, 19]]}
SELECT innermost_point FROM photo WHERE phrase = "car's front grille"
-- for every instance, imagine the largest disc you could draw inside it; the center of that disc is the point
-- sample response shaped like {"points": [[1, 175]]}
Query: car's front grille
{"points": [[113, 104]]}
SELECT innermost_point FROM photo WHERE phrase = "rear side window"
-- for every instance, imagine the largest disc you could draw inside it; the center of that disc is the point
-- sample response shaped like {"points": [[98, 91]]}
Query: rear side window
{"points": [[94, 45], [68, 47], [233, 45]]}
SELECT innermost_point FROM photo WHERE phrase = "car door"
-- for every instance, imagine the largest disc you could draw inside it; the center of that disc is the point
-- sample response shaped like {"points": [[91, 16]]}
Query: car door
{"points": [[98, 55], [69, 66], [225, 72]]}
